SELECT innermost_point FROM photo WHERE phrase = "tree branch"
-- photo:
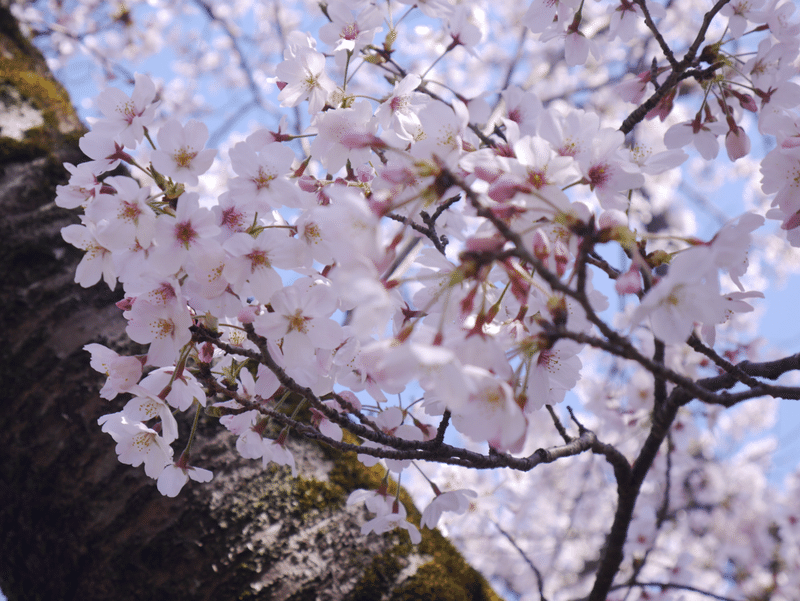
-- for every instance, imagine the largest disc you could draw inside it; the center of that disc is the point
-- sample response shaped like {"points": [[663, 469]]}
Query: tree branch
{"points": [[531, 565], [669, 585]]}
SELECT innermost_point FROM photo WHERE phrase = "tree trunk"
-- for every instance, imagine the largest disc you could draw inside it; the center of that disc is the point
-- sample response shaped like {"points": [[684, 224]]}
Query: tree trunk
{"points": [[74, 522]]}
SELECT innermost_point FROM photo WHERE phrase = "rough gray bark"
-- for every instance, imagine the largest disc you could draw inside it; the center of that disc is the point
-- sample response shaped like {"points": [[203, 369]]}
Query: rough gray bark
{"points": [[76, 524]]}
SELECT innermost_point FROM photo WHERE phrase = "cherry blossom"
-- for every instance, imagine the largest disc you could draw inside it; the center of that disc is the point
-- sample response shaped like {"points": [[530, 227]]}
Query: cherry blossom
{"points": [[164, 328], [255, 260], [433, 236], [97, 262], [305, 79], [390, 521], [738, 14], [180, 391], [440, 131], [106, 152], [399, 112], [144, 407], [551, 373], [262, 175], [542, 13], [346, 32], [181, 155], [689, 293], [608, 174], [523, 108], [123, 372], [338, 133], [491, 413], [192, 228], [462, 30], [276, 452], [174, 477], [456, 501], [301, 318], [82, 187], [126, 117], [127, 218], [702, 135], [137, 444]]}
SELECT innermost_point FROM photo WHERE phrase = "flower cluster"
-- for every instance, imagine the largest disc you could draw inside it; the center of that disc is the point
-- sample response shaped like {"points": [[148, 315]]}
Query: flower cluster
{"points": [[422, 245]]}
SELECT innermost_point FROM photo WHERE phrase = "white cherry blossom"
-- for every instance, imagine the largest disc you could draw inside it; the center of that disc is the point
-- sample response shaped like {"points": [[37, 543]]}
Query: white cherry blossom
{"points": [[137, 444], [126, 117], [180, 153], [305, 79]]}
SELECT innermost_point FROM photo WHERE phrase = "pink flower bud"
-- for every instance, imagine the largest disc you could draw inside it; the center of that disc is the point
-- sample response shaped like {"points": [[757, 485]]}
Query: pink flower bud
{"points": [[737, 143], [248, 314], [126, 304], [541, 245], [308, 183], [629, 282], [561, 255], [748, 103], [365, 173]]}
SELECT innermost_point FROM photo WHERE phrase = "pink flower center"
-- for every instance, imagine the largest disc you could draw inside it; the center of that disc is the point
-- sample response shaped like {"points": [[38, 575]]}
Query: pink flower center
{"points": [[538, 179], [312, 233], [184, 157], [548, 360], [163, 328], [165, 293], [599, 175], [129, 211], [350, 31], [263, 179], [232, 218], [185, 233], [298, 322], [126, 109], [259, 259], [398, 103], [568, 149]]}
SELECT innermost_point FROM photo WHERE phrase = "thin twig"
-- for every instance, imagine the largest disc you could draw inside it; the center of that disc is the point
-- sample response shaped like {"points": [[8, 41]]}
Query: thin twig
{"points": [[531, 565], [668, 585]]}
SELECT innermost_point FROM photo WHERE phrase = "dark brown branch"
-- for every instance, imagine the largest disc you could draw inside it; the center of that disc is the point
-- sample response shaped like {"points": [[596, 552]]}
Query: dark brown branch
{"points": [[720, 362], [660, 385], [648, 20], [559, 426], [395, 448], [439, 439], [678, 72], [593, 259], [663, 511], [669, 585], [613, 553], [428, 230], [663, 417]]}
